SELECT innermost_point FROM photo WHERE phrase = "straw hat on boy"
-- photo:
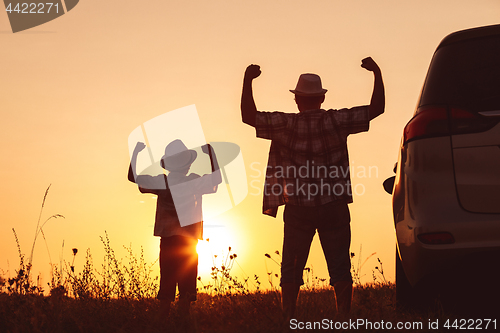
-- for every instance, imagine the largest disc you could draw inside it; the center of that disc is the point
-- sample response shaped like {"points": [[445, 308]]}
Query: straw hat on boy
{"points": [[177, 156]]}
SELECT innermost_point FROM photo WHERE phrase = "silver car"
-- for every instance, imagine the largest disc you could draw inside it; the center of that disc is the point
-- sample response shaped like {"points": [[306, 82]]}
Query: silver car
{"points": [[446, 192]]}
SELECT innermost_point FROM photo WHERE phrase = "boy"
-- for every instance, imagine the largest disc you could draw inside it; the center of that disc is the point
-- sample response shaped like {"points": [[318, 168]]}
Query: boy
{"points": [[178, 220]]}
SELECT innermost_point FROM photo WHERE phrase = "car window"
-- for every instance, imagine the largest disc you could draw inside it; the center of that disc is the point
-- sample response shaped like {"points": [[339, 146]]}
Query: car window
{"points": [[465, 74]]}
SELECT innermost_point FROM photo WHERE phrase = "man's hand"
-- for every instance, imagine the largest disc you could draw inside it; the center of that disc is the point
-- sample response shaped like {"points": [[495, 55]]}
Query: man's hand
{"points": [[370, 65], [252, 72]]}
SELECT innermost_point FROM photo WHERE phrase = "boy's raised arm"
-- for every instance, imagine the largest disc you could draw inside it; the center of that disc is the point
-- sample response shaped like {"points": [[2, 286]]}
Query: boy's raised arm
{"points": [[132, 171], [248, 108], [216, 179]]}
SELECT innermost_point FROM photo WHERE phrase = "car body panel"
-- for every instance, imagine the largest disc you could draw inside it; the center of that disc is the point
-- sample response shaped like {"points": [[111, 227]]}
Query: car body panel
{"points": [[450, 183], [477, 172]]}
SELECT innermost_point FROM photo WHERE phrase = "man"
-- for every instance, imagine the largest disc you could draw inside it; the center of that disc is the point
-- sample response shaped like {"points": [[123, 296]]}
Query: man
{"points": [[308, 173]]}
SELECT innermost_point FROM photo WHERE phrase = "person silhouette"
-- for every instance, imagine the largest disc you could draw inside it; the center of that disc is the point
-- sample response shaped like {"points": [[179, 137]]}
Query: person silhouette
{"points": [[308, 172], [179, 219]]}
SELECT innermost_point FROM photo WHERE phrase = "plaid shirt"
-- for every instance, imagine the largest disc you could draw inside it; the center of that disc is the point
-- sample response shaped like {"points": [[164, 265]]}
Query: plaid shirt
{"points": [[308, 160]]}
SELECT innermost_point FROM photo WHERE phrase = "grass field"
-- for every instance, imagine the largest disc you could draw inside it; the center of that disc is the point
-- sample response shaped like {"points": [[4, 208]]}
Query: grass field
{"points": [[119, 296], [254, 312]]}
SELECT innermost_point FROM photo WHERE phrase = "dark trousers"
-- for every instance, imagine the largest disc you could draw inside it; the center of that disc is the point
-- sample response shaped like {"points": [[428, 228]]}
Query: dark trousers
{"points": [[332, 221], [178, 267]]}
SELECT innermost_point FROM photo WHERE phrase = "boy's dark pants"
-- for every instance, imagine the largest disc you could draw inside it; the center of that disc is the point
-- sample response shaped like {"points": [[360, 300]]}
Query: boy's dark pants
{"points": [[178, 266]]}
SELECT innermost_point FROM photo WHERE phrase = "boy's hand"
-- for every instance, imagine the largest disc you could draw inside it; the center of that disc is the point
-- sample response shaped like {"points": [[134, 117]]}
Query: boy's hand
{"points": [[252, 72], [139, 147], [207, 149], [369, 64]]}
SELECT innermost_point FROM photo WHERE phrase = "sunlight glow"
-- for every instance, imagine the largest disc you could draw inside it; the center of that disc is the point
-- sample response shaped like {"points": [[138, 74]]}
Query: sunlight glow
{"points": [[213, 249]]}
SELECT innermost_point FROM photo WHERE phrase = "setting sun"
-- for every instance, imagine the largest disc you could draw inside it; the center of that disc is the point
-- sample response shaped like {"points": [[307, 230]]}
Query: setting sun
{"points": [[213, 249]]}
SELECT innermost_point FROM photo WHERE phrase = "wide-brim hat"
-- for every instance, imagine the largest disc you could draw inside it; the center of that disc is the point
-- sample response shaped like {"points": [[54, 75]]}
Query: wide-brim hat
{"points": [[309, 85], [177, 156]]}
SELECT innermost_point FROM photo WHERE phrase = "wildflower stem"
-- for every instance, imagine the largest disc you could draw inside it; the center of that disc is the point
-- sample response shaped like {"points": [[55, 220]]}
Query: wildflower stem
{"points": [[38, 224]]}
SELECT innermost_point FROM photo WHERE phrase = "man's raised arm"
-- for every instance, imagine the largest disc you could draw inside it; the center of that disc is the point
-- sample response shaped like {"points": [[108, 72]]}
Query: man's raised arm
{"points": [[248, 108], [377, 103]]}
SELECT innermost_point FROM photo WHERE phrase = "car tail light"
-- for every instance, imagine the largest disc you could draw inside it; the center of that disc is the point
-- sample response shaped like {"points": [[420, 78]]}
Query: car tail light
{"points": [[428, 122], [437, 238], [469, 122], [441, 121]]}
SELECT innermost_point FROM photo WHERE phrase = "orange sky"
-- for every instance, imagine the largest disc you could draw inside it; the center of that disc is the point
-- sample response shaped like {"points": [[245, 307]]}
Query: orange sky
{"points": [[74, 88]]}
